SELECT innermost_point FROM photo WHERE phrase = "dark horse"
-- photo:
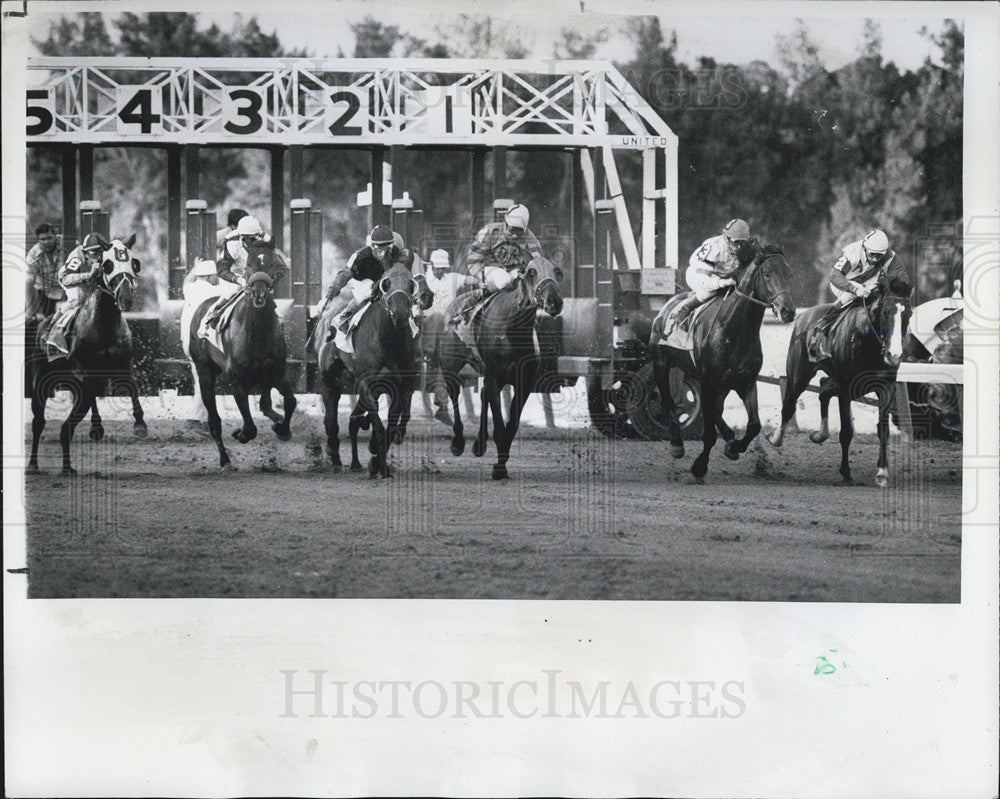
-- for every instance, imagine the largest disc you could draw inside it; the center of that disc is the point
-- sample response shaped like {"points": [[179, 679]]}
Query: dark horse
{"points": [[101, 354], [254, 352], [505, 338], [727, 354], [865, 345], [384, 362]]}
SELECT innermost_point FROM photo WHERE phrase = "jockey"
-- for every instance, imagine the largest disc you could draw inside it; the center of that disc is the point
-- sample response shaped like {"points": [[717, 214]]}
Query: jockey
{"points": [[232, 265], [499, 251], [854, 276], [359, 279], [222, 236], [712, 266], [79, 277]]}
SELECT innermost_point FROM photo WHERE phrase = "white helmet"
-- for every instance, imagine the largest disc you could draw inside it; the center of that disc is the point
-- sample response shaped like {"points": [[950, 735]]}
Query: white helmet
{"points": [[440, 259], [876, 242], [517, 216], [249, 226]]}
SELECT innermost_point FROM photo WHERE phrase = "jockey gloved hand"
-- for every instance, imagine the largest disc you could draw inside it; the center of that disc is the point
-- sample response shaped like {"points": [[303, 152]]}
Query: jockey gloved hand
{"points": [[241, 281], [727, 282], [862, 291]]}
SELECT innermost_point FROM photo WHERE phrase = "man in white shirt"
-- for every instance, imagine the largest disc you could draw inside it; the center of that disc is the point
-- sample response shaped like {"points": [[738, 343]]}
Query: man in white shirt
{"points": [[446, 285]]}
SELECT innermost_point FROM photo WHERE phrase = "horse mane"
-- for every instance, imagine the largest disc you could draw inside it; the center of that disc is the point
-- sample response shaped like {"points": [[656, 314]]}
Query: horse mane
{"points": [[768, 250]]}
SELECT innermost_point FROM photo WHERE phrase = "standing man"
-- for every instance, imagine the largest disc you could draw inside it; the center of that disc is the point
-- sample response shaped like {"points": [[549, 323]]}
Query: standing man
{"points": [[42, 282], [446, 285]]}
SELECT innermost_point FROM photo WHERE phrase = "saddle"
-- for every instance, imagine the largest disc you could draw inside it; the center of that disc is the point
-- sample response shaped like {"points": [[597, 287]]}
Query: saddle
{"points": [[673, 332], [819, 336], [66, 321], [222, 309], [464, 325], [343, 327]]}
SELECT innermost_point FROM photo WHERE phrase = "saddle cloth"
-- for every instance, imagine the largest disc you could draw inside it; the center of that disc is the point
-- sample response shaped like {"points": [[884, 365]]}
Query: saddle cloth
{"points": [[671, 334], [344, 340], [225, 305], [67, 322]]}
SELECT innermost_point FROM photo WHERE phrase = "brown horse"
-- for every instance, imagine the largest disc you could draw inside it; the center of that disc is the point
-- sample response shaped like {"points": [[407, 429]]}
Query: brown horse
{"points": [[505, 338], [727, 355], [253, 355], [100, 357], [865, 348], [385, 361]]}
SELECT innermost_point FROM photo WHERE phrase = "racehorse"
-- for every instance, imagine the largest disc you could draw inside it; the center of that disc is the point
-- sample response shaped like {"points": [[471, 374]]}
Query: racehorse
{"points": [[505, 338], [384, 362], [865, 348], [727, 354], [100, 353], [253, 354]]}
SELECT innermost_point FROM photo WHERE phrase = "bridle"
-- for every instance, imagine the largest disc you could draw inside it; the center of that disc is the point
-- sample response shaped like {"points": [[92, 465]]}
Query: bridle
{"points": [[883, 343], [751, 275], [411, 295]]}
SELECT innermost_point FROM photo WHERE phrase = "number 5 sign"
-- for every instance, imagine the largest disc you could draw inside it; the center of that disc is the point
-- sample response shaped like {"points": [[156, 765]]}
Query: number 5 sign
{"points": [[140, 109]]}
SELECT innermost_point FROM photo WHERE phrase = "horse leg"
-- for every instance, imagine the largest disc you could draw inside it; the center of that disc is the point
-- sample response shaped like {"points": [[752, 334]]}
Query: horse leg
{"points": [[517, 402], [828, 390], [885, 398], [485, 395], [798, 374], [331, 399], [139, 428], [206, 383], [81, 404], [354, 424], [846, 434], [500, 439], [454, 387], [661, 371], [266, 406], [724, 429], [748, 393], [96, 423], [39, 396], [283, 425], [710, 410], [378, 443], [249, 430]]}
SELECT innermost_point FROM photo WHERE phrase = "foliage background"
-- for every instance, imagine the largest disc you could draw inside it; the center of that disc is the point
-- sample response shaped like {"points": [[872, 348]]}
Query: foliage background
{"points": [[812, 158]]}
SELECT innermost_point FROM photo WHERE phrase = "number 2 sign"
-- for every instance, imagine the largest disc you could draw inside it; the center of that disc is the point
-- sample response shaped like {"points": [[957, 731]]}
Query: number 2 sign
{"points": [[347, 111], [140, 109]]}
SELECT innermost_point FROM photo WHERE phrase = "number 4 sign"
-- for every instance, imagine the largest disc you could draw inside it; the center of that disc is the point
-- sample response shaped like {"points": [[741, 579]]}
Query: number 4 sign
{"points": [[140, 109]]}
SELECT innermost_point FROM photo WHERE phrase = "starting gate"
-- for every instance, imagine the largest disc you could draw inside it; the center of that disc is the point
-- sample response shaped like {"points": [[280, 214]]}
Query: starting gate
{"points": [[484, 108]]}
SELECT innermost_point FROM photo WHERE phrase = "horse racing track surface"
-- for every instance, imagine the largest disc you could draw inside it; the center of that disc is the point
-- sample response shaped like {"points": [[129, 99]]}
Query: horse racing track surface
{"points": [[582, 517]]}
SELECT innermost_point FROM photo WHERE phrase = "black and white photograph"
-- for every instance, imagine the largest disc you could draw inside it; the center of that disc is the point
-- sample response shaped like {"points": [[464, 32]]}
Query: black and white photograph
{"points": [[600, 312]]}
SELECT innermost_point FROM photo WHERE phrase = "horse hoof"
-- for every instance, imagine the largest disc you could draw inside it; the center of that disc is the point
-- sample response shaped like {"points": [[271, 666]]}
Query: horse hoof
{"points": [[373, 470], [33, 469], [677, 450], [96, 433], [731, 453], [356, 467], [500, 473], [882, 478], [775, 441], [818, 438], [848, 480], [479, 448], [337, 468], [244, 437], [139, 429], [397, 436], [457, 447], [699, 481], [282, 431], [227, 467], [68, 471]]}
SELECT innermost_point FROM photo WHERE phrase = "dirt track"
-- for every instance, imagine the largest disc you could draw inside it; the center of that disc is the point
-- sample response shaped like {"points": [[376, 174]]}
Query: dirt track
{"points": [[582, 517]]}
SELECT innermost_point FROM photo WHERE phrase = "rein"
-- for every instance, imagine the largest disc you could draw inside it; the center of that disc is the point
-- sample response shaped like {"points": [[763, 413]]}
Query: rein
{"points": [[883, 345], [771, 300]]}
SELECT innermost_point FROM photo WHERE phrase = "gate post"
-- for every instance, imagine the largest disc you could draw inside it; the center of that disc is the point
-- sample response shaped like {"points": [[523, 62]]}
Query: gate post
{"points": [[94, 220], [200, 235], [604, 247], [305, 284], [500, 209], [408, 222]]}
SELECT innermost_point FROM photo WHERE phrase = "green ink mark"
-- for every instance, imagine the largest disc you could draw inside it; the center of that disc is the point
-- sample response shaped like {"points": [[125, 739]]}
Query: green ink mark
{"points": [[824, 666]]}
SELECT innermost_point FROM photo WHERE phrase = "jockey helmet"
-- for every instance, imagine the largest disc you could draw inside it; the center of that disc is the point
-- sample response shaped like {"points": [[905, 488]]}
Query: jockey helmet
{"points": [[249, 226], [736, 230], [381, 236], [440, 260], [517, 216], [875, 243], [397, 240], [92, 244]]}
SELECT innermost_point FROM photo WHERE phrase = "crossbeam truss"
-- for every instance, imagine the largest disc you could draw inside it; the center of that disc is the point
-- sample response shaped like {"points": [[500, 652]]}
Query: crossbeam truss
{"points": [[365, 103], [322, 101]]}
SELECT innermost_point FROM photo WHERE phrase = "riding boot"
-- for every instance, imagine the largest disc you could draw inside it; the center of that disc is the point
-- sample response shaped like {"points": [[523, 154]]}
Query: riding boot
{"points": [[819, 344], [343, 319], [684, 313], [57, 338]]}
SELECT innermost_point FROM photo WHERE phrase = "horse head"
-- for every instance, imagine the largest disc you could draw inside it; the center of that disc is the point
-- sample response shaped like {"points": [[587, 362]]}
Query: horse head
{"points": [[119, 270], [543, 278], [888, 312], [266, 266], [767, 280], [423, 294], [398, 290]]}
